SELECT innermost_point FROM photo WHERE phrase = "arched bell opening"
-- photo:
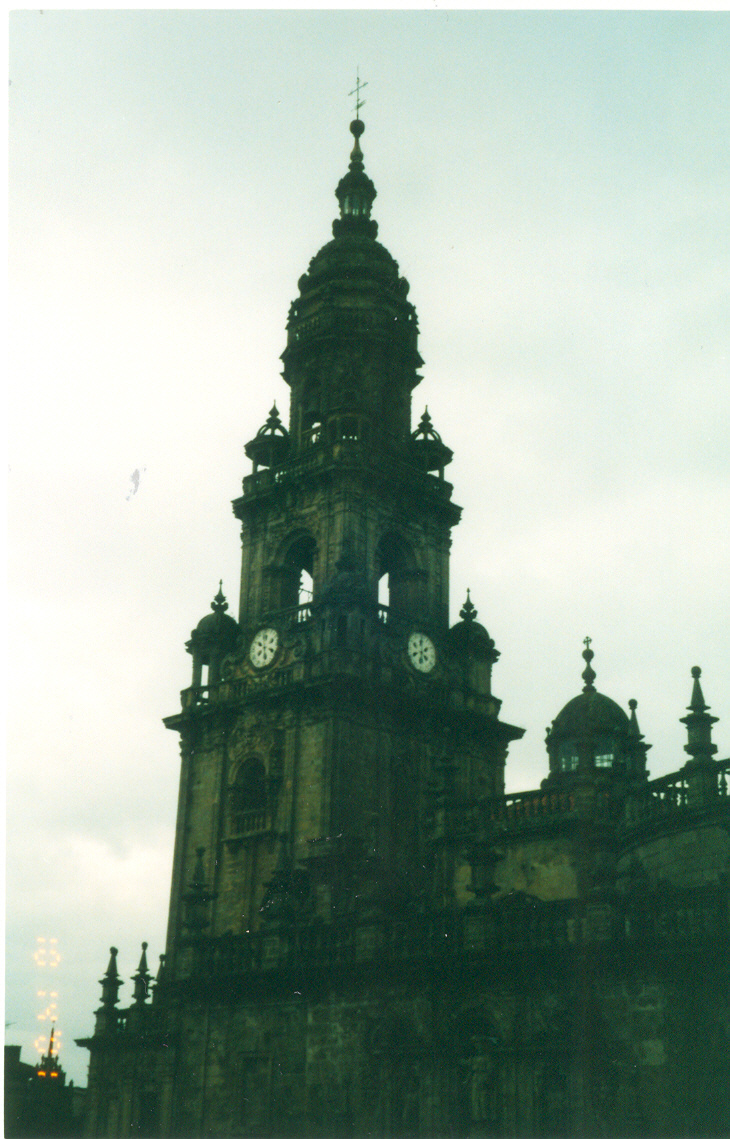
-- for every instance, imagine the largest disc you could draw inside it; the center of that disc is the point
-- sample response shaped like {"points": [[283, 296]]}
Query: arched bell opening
{"points": [[293, 576], [400, 582], [348, 428], [307, 406]]}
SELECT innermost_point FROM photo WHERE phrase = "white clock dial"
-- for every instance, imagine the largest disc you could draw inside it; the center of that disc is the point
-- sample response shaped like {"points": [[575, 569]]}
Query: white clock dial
{"points": [[263, 647], [421, 652]]}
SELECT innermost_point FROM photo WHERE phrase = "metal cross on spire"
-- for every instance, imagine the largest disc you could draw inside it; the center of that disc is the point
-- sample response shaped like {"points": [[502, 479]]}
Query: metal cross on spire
{"points": [[356, 92], [587, 642]]}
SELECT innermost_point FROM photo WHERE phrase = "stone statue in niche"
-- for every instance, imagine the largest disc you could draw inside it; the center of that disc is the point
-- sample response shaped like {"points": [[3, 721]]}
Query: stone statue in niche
{"points": [[481, 1083]]}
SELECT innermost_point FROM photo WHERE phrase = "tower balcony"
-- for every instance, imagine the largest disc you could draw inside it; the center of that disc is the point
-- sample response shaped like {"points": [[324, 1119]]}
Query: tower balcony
{"points": [[321, 458]]}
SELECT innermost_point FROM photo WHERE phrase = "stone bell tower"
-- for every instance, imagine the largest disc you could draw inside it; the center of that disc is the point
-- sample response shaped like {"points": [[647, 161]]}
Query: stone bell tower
{"points": [[329, 713]]}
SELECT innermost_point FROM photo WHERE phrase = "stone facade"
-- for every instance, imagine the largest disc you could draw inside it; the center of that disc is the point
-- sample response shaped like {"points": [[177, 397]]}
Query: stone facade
{"points": [[366, 935]]}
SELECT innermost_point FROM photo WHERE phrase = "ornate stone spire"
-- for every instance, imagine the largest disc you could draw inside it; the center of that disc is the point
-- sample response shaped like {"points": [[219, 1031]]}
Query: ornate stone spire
{"points": [[351, 358], [111, 981], [468, 611], [356, 192], [699, 724], [219, 603], [142, 978]]}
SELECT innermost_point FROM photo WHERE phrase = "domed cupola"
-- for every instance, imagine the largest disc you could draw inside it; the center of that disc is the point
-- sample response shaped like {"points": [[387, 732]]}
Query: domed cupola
{"points": [[270, 445], [469, 638], [214, 637], [593, 736], [351, 358], [428, 447]]}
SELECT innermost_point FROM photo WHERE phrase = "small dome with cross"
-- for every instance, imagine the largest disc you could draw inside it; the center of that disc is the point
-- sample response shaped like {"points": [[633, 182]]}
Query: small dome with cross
{"points": [[592, 733]]}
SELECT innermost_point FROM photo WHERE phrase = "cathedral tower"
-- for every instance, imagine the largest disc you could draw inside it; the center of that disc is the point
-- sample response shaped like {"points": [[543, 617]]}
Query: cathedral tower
{"points": [[314, 742]]}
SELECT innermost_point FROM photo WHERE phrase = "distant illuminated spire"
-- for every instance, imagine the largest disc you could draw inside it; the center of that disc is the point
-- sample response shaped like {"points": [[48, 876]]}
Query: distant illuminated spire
{"points": [[48, 1067]]}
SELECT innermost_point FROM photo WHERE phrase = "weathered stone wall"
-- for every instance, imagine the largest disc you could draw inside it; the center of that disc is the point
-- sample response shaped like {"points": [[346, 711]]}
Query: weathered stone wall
{"points": [[543, 868], [587, 1052], [684, 857]]}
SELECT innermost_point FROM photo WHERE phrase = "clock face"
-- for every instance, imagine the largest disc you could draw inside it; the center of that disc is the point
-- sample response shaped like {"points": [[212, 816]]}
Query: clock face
{"points": [[263, 647], [421, 652]]}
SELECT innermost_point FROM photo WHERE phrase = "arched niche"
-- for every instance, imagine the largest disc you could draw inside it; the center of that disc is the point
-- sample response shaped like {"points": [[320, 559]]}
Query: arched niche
{"points": [[479, 1055], [248, 795]]}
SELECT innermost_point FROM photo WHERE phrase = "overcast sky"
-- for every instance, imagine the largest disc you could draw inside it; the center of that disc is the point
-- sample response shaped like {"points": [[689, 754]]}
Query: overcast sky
{"points": [[554, 187]]}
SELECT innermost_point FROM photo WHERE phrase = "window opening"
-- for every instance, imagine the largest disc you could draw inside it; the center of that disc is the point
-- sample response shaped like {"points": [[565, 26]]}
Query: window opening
{"points": [[399, 583], [567, 757], [305, 587], [311, 428], [603, 752], [297, 571], [248, 797]]}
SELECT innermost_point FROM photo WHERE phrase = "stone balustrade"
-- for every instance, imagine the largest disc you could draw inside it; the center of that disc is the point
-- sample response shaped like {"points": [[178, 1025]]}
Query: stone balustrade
{"points": [[520, 925]]}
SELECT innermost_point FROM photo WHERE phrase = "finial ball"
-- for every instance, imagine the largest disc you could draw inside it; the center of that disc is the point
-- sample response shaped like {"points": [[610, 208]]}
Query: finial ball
{"points": [[357, 126], [696, 673], [633, 705]]}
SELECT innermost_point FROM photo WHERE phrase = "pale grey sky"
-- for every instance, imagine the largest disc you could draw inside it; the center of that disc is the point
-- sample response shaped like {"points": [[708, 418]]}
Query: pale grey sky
{"points": [[555, 187]]}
